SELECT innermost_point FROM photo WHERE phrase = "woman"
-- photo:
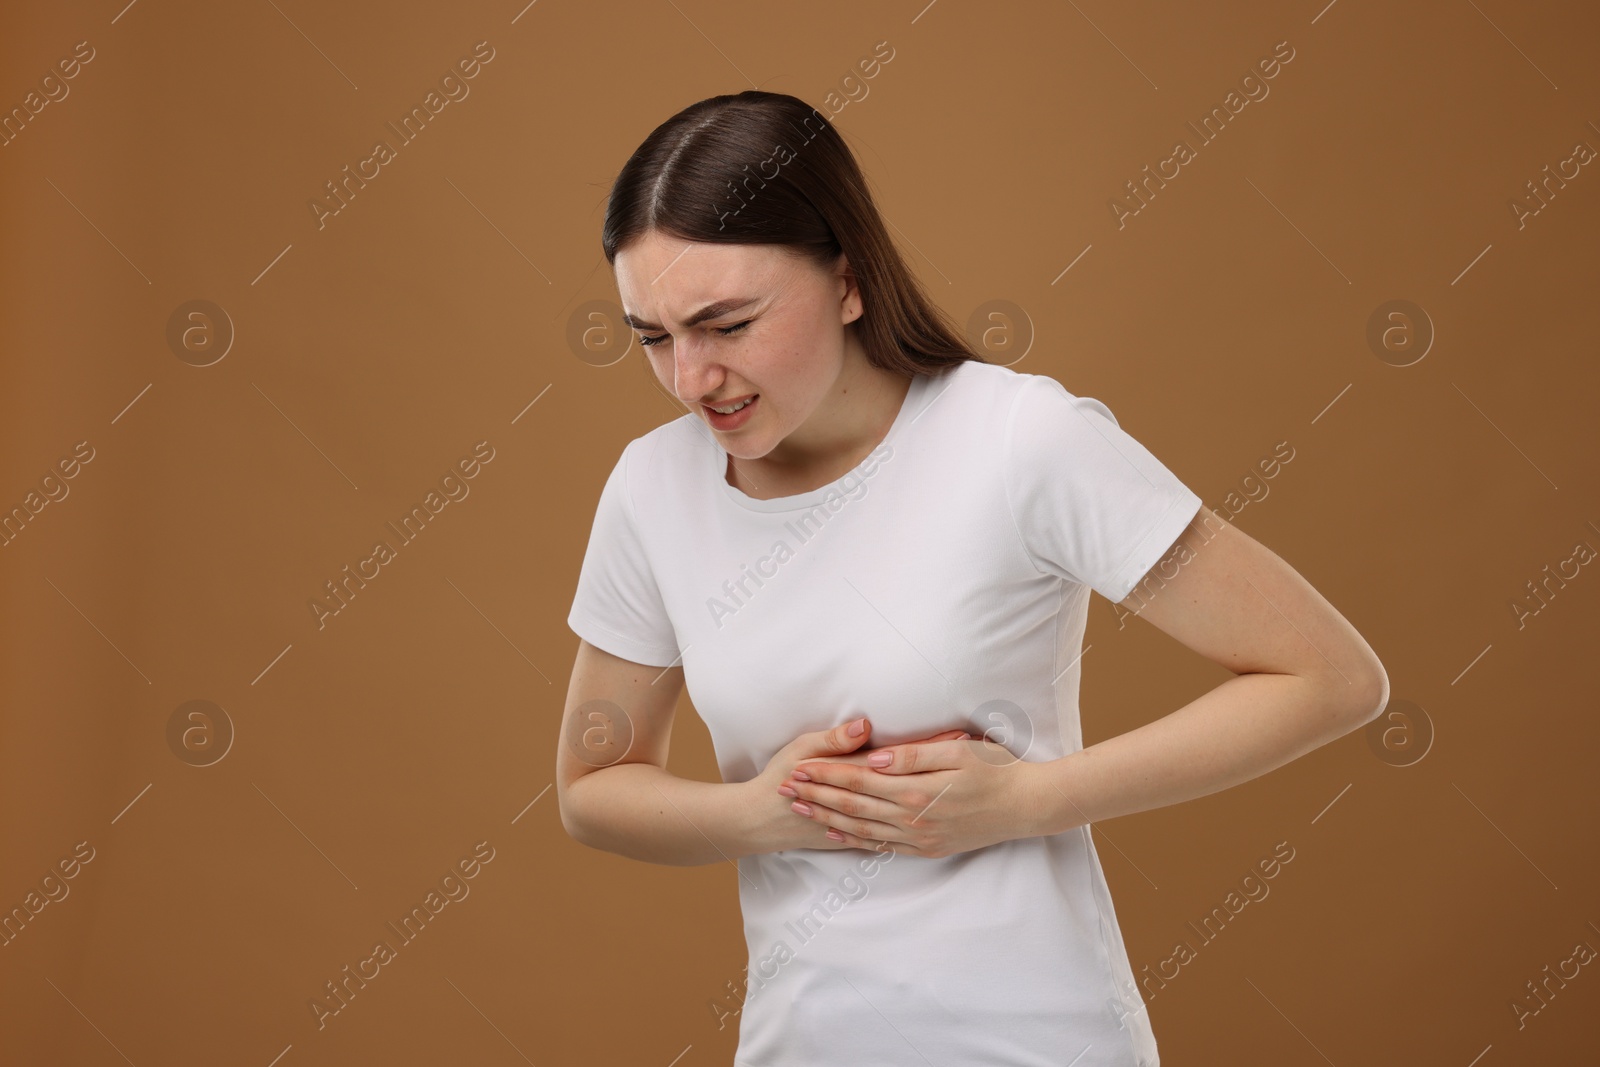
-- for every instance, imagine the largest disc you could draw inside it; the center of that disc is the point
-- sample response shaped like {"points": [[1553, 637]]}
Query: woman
{"points": [[862, 530]]}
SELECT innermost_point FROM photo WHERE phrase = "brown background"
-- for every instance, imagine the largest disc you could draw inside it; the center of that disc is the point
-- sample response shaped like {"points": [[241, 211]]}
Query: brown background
{"points": [[371, 353]]}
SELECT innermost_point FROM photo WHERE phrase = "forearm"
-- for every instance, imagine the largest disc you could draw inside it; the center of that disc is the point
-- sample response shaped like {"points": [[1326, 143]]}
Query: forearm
{"points": [[641, 811], [1245, 727]]}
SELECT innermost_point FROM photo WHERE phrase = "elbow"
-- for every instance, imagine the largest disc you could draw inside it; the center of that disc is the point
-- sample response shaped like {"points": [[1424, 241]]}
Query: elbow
{"points": [[1373, 689], [570, 821], [1351, 695]]}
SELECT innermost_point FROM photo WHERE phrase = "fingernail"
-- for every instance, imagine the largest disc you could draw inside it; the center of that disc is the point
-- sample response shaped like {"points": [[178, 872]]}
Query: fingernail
{"points": [[802, 775], [802, 807], [857, 728], [786, 791], [966, 737], [880, 759]]}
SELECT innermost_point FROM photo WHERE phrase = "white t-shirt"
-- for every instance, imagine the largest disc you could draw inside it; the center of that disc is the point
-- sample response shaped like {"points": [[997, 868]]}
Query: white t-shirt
{"points": [[944, 583]]}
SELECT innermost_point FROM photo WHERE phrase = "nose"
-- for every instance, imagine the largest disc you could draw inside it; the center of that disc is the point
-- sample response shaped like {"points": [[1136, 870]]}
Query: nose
{"points": [[694, 375]]}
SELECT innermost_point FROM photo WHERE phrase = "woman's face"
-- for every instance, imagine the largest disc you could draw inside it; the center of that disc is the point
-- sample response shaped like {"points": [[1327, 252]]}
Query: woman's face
{"points": [[788, 346]]}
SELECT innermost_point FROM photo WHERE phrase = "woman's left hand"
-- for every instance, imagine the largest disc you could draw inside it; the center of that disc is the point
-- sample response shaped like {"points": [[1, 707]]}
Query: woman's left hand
{"points": [[933, 799]]}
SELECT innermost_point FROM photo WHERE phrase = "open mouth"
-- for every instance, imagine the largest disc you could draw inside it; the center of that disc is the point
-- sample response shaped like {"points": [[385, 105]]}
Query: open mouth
{"points": [[734, 419]]}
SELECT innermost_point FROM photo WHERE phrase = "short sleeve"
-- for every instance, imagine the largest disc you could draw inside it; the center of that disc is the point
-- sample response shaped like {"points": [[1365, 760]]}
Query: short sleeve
{"points": [[1091, 504], [617, 606]]}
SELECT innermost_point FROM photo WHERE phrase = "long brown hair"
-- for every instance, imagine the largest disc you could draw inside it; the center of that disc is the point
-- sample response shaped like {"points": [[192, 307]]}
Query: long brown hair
{"points": [[702, 175]]}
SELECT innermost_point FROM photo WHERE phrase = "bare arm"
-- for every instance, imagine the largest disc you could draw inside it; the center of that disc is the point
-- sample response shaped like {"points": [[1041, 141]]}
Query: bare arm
{"points": [[616, 794], [1304, 677], [611, 779], [643, 812]]}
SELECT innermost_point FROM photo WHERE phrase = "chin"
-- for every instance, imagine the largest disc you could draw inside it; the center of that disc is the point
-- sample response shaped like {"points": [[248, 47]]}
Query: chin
{"points": [[744, 451], [745, 447]]}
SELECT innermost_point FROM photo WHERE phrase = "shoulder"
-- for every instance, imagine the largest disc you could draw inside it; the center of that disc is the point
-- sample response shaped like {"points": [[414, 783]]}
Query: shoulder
{"points": [[1017, 402], [1008, 415], [675, 442], [984, 391], [662, 463], [997, 381]]}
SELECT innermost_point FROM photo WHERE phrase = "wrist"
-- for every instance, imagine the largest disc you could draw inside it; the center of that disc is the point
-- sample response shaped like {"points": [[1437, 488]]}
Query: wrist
{"points": [[744, 819], [1052, 803], [760, 818]]}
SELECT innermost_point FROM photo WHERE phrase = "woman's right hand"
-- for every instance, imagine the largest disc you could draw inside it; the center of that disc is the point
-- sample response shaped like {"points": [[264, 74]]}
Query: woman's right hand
{"points": [[780, 826]]}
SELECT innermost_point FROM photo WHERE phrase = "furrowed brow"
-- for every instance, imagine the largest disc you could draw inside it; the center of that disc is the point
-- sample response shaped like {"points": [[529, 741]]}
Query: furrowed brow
{"points": [[710, 311]]}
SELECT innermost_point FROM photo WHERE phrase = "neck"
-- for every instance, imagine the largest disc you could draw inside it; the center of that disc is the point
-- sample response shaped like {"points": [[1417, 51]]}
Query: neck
{"points": [[851, 421]]}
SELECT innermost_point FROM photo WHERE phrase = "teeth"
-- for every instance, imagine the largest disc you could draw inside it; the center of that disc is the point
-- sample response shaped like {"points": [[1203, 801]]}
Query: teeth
{"points": [[730, 411]]}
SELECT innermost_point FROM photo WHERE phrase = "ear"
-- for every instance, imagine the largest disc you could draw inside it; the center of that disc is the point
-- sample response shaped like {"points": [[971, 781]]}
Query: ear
{"points": [[850, 304]]}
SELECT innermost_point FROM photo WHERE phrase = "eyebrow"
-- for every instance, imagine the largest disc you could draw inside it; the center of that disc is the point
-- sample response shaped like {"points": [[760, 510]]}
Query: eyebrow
{"points": [[710, 311]]}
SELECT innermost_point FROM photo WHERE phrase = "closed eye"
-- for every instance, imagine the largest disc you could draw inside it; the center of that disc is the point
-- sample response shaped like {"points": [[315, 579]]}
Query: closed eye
{"points": [[724, 330]]}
